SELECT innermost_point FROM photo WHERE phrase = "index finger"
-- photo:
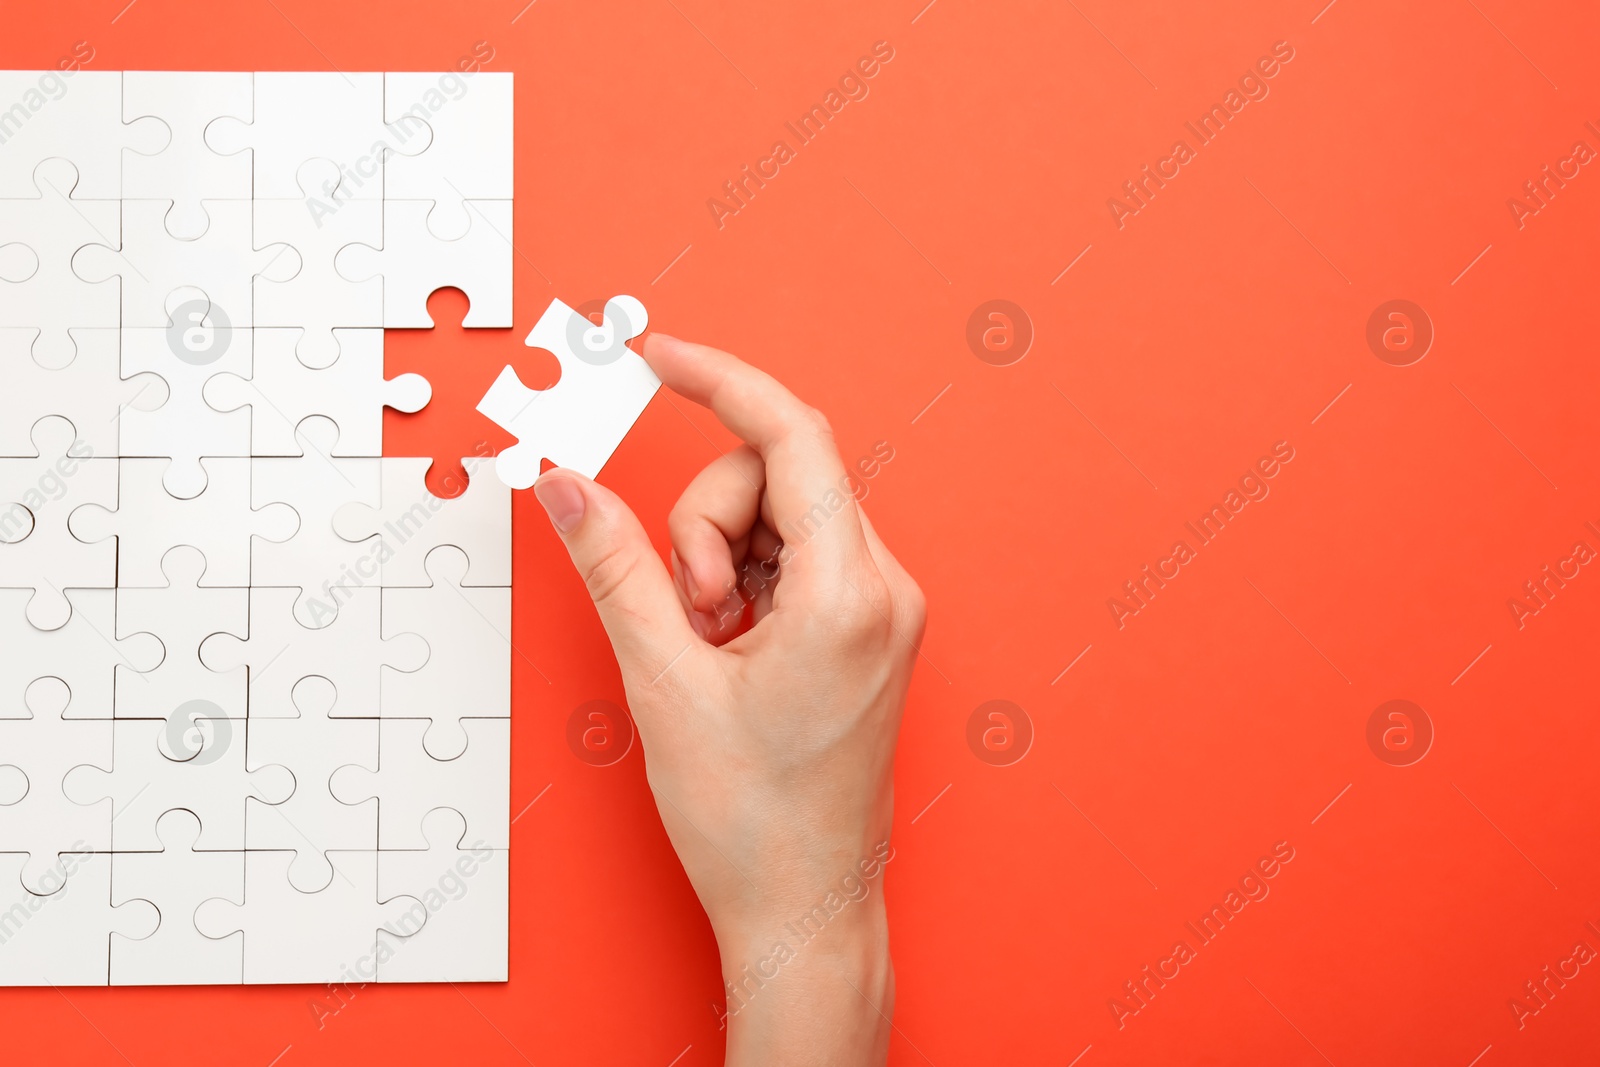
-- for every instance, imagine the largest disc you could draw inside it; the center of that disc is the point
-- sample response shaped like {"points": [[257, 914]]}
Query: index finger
{"points": [[806, 481]]}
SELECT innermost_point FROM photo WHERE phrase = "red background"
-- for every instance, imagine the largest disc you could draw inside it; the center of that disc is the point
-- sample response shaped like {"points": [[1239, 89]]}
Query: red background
{"points": [[1224, 317]]}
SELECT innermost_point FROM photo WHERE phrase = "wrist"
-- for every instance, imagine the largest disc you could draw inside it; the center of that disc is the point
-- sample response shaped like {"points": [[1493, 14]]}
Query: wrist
{"points": [[817, 987]]}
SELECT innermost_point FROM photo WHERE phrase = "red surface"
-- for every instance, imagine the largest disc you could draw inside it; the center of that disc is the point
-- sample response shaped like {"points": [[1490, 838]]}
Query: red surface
{"points": [[1223, 317]]}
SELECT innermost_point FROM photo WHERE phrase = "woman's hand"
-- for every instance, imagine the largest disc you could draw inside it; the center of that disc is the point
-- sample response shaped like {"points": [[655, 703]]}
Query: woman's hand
{"points": [[767, 674]]}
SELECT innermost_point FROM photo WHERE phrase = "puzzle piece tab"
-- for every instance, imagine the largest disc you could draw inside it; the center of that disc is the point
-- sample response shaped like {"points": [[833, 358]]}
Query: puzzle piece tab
{"points": [[351, 391], [185, 170], [465, 888], [74, 115], [312, 823], [468, 671], [36, 497], [190, 760], [580, 421], [180, 615], [88, 390], [64, 938], [468, 154], [329, 936]]}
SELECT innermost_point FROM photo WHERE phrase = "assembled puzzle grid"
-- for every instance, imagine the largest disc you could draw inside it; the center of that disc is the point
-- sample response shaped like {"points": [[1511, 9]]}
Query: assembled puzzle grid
{"points": [[255, 679]]}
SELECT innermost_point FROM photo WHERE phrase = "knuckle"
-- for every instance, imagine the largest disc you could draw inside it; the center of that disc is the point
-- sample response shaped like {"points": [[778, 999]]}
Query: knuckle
{"points": [[815, 422], [914, 608], [864, 609], [608, 575]]}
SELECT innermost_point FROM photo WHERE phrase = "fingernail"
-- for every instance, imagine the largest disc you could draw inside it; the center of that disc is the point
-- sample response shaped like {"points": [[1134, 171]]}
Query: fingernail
{"points": [[562, 500], [691, 587]]}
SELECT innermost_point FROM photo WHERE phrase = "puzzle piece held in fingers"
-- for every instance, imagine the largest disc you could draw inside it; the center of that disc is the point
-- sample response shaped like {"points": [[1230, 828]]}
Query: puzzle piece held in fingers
{"points": [[579, 422]]}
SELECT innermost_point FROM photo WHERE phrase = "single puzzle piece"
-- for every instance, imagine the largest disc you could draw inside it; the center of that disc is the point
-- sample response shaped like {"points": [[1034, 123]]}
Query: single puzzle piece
{"points": [[350, 652], [149, 521], [316, 560], [88, 390], [325, 937], [603, 389], [44, 822], [312, 823], [185, 428], [300, 116], [411, 522], [180, 615], [176, 880], [221, 263], [71, 654], [317, 298], [409, 783], [184, 170], [72, 115], [468, 672], [36, 497], [351, 391], [465, 889], [189, 760], [50, 297], [469, 148], [414, 263], [64, 938]]}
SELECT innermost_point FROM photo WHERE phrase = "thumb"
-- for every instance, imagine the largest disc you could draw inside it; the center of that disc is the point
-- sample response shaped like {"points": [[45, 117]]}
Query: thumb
{"points": [[625, 577]]}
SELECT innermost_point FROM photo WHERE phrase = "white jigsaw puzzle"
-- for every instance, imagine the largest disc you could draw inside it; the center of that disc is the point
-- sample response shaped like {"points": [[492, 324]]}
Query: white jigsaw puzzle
{"points": [[255, 697]]}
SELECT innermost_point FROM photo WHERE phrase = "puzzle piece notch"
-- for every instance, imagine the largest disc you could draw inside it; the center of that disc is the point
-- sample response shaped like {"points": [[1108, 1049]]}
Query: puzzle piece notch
{"points": [[223, 263], [39, 494], [316, 298], [185, 170], [414, 264], [465, 889], [75, 115], [64, 937], [175, 881], [43, 821], [181, 615], [149, 522], [185, 429], [87, 389], [324, 937], [467, 155], [468, 670], [603, 389], [411, 523], [350, 390], [51, 297], [409, 782]]}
